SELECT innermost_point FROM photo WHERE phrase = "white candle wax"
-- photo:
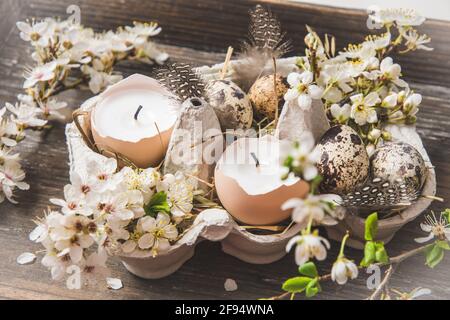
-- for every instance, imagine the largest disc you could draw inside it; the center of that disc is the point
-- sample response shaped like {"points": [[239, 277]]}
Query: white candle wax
{"points": [[115, 115], [134, 118], [255, 165]]}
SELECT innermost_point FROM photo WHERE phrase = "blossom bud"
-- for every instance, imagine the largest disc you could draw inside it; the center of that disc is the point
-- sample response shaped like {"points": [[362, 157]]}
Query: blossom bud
{"points": [[374, 134], [411, 120], [370, 148], [390, 101], [386, 135], [401, 96], [310, 40]]}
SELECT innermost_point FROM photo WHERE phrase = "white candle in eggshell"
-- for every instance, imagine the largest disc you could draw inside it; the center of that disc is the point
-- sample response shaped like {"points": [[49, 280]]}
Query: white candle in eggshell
{"points": [[248, 181], [135, 118]]}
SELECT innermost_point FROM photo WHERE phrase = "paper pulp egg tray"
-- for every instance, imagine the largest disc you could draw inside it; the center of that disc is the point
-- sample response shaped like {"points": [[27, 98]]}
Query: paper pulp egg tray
{"points": [[218, 225]]}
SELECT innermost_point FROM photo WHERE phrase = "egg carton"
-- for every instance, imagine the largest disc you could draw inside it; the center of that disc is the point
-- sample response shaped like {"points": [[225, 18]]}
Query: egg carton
{"points": [[210, 224], [218, 224], [353, 222]]}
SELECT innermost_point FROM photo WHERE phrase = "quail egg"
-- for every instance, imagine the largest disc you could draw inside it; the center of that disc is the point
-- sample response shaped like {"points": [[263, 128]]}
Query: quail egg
{"points": [[262, 96], [399, 162], [344, 162], [231, 104]]}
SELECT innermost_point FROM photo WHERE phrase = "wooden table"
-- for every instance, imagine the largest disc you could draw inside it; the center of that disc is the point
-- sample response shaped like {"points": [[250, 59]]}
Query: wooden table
{"points": [[199, 32]]}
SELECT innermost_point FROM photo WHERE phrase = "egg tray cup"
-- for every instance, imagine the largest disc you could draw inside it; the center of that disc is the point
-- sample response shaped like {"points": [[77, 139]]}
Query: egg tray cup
{"points": [[387, 227], [218, 225]]}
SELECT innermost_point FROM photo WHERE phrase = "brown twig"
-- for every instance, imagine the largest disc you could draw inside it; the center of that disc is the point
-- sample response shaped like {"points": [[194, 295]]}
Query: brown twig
{"points": [[387, 276], [393, 263]]}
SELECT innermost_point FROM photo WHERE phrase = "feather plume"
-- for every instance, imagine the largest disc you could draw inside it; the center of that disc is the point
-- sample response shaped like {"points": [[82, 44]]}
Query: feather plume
{"points": [[266, 41], [181, 80], [265, 32], [379, 195]]}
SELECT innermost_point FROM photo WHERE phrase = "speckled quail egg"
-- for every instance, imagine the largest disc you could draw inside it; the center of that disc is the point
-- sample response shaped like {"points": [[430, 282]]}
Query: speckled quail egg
{"points": [[344, 162], [399, 162], [262, 96], [231, 104]]}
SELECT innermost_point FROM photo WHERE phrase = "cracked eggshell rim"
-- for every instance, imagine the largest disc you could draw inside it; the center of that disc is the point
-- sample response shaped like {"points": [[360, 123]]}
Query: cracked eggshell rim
{"points": [[151, 150], [243, 195]]}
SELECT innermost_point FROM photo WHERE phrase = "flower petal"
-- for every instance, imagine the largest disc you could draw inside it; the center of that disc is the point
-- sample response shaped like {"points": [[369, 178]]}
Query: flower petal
{"points": [[26, 258], [304, 101], [114, 283], [146, 241]]}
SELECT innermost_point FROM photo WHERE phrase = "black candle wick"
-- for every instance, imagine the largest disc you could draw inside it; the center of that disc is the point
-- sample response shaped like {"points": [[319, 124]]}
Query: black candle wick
{"points": [[255, 157], [137, 112]]}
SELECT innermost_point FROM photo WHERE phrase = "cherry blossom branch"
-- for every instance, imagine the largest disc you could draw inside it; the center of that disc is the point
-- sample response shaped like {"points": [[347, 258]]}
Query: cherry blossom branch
{"points": [[393, 263]]}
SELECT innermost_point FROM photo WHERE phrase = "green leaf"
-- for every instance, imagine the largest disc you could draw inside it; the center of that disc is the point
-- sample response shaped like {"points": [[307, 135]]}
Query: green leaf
{"points": [[371, 227], [446, 214], [296, 284], [369, 254], [308, 269], [434, 255], [158, 203], [380, 253], [443, 244], [312, 288]]}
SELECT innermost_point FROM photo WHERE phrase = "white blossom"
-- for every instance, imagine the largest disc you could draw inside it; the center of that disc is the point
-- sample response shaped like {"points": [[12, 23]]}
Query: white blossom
{"points": [[95, 265], [11, 177], [363, 110], [341, 113], [99, 80], [40, 73], [111, 203], [25, 115], [153, 234], [179, 192], [102, 174], [436, 228], [319, 208], [302, 89], [33, 31], [342, 270], [144, 29], [305, 156], [308, 246], [8, 130], [73, 203], [143, 180], [415, 41], [401, 17], [51, 108], [392, 71], [390, 101]]}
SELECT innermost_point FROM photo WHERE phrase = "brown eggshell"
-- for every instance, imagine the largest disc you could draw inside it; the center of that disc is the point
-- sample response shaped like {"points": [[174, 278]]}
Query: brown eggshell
{"points": [[264, 209], [262, 96], [147, 152]]}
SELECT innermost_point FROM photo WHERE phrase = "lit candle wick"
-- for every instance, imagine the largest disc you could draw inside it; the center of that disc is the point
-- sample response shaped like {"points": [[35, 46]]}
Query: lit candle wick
{"points": [[137, 112], [255, 158]]}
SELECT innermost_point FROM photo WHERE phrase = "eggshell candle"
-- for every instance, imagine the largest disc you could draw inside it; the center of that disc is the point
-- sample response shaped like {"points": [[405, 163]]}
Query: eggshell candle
{"points": [[248, 181], [134, 118]]}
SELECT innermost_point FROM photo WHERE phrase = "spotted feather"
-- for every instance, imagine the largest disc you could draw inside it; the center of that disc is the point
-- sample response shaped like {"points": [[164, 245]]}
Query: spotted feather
{"points": [[379, 194], [181, 80]]}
